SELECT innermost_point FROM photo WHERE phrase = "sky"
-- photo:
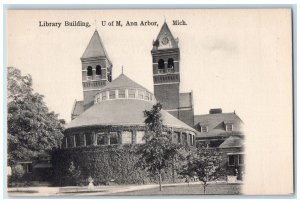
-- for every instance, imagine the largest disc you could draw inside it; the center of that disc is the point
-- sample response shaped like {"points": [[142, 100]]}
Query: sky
{"points": [[237, 60], [214, 53]]}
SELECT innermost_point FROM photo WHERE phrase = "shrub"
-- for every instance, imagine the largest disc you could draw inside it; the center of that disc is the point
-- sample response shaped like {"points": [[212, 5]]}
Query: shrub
{"points": [[103, 164]]}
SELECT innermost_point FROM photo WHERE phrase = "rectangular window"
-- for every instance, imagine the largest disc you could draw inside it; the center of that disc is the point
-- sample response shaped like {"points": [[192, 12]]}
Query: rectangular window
{"points": [[241, 159], [80, 139], [101, 139], [147, 96], [89, 139], [229, 127], [121, 93], [231, 160], [140, 137], [140, 94], [204, 129], [131, 93], [103, 96], [112, 94], [191, 139], [70, 141], [126, 137], [185, 137], [113, 138], [178, 137], [29, 168]]}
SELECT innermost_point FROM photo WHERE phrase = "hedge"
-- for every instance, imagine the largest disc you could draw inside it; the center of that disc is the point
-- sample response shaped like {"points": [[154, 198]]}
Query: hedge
{"points": [[105, 164]]}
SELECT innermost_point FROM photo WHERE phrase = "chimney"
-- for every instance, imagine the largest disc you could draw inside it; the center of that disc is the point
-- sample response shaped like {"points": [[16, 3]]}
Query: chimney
{"points": [[215, 111]]}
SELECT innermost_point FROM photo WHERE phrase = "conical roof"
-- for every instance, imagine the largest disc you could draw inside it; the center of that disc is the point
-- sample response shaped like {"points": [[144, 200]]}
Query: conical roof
{"points": [[95, 47], [125, 112], [122, 81], [165, 39]]}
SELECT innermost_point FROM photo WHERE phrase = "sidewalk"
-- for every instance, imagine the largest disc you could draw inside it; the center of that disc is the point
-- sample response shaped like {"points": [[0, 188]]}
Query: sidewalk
{"points": [[84, 191]]}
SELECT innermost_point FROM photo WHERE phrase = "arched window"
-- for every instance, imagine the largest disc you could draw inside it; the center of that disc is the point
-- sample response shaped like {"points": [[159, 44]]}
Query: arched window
{"points": [[161, 64], [90, 71], [98, 70], [170, 63]]}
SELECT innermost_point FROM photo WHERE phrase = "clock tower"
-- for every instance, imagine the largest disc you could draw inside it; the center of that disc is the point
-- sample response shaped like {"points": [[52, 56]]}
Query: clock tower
{"points": [[166, 75]]}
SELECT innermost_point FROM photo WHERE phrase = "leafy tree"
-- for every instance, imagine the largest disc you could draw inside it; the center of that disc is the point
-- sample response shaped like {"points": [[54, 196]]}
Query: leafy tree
{"points": [[31, 127], [205, 164], [159, 152], [17, 172]]}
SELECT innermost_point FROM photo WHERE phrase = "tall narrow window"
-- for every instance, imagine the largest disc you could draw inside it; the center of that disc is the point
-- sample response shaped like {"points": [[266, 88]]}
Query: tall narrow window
{"points": [[178, 137], [90, 71], [131, 93], [80, 138], [121, 93], [109, 76], [140, 94], [98, 70], [161, 64], [103, 96], [101, 139], [140, 137], [112, 94], [89, 139], [113, 138], [229, 127], [126, 137], [170, 63], [241, 159], [231, 160]]}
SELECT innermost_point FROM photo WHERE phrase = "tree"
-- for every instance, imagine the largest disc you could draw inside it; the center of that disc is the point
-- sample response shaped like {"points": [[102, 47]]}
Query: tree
{"points": [[205, 164], [31, 128], [18, 172], [158, 152]]}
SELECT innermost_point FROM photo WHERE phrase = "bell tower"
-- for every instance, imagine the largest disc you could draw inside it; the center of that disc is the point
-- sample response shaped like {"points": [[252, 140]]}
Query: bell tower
{"points": [[96, 69], [166, 71]]}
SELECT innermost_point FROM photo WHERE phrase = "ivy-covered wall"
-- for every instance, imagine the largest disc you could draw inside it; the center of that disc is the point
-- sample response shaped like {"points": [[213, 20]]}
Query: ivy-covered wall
{"points": [[104, 164]]}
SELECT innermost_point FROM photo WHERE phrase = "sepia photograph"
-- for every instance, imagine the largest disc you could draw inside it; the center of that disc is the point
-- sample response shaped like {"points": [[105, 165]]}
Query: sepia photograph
{"points": [[149, 102]]}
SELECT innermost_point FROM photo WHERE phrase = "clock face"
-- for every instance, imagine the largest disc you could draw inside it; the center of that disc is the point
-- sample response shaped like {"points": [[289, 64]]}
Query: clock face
{"points": [[165, 41]]}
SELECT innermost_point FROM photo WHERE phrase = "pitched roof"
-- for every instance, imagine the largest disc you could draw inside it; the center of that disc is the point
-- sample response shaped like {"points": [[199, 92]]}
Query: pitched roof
{"points": [[78, 108], [232, 141], [216, 124], [165, 33], [95, 47], [122, 112], [124, 82]]}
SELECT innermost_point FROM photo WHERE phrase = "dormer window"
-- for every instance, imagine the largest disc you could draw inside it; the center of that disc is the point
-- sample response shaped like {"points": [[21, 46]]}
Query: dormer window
{"points": [[229, 127], [204, 128]]}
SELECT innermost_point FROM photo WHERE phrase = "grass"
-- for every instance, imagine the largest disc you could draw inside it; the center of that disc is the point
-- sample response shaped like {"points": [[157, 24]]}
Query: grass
{"points": [[213, 189]]}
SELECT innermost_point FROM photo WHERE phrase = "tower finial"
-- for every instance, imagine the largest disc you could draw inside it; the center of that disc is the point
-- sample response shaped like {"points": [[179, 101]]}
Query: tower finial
{"points": [[164, 18], [122, 69]]}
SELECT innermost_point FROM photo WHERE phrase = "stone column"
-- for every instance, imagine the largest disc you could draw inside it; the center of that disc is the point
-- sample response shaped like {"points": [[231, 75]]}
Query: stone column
{"points": [[84, 140], [66, 142], [74, 140], [95, 138], [108, 138]]}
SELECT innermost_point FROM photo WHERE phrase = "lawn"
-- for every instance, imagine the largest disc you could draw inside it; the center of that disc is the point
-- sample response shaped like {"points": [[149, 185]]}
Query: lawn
{"points": [[213, 189]]}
